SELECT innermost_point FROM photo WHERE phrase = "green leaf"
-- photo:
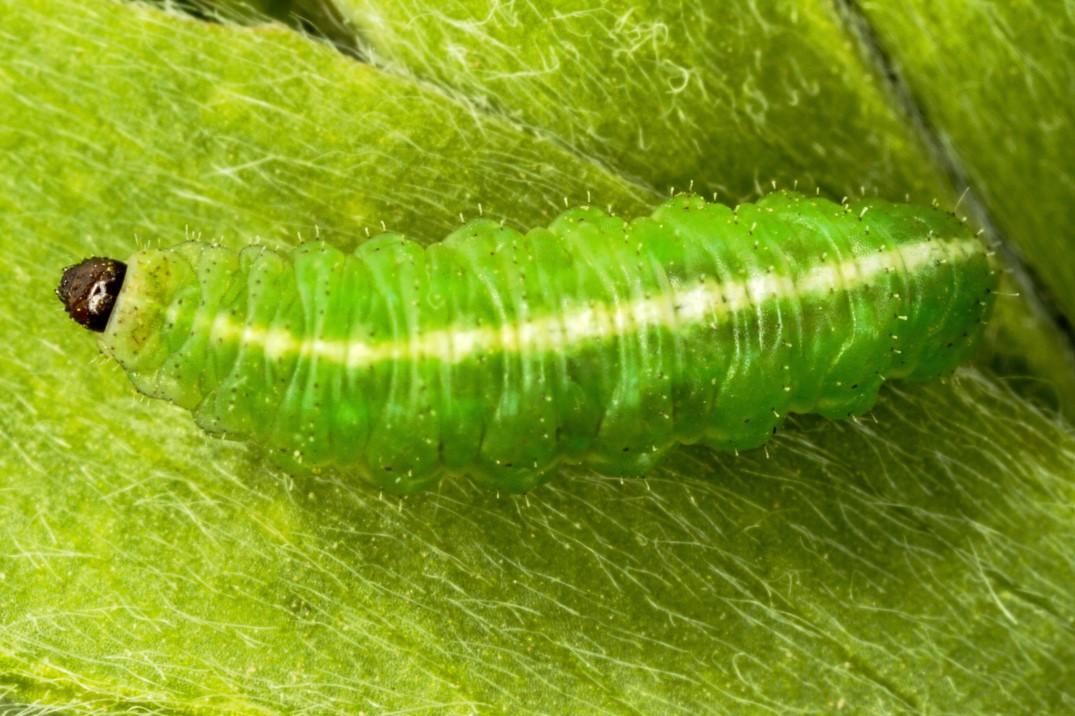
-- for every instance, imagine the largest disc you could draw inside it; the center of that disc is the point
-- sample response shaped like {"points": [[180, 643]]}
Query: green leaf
{"points": [[918, 560], [164, 126], [995, 80], [728, 96]]}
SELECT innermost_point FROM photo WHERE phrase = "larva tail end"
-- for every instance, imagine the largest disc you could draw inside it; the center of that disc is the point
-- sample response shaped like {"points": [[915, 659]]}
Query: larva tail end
{"points": [[88, 290]]}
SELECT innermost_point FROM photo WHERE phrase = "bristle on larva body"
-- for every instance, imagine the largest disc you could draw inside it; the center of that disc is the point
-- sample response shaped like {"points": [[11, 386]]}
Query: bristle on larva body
{"points": [[594, 340]]}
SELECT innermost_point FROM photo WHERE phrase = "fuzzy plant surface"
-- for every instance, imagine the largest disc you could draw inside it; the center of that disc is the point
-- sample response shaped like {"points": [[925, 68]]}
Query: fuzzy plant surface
{"points": [[916, 560], [1007, 113]]}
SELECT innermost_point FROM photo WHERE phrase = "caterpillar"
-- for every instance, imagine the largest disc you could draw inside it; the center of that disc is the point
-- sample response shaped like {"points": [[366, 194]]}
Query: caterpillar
{"points": [[595, 340]]}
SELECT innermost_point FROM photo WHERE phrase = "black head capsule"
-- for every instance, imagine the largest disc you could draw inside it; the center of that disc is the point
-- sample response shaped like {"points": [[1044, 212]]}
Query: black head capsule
{"points": [[89, 290]]}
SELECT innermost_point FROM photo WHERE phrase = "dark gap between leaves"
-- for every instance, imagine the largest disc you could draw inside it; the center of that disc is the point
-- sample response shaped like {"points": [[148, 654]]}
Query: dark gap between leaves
{"points": [[1038, 297], [318, 19]]}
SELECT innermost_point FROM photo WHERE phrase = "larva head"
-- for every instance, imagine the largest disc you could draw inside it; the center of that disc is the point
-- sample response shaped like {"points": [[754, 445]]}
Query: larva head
{"points": [[88, 290]]}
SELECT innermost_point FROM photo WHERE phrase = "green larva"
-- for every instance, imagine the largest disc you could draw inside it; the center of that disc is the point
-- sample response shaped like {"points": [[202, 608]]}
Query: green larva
{"points": [[594, 340]]}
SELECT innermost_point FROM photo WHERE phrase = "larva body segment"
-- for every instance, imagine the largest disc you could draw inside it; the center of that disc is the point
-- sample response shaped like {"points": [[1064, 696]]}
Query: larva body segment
{"points": [[592, 340]]}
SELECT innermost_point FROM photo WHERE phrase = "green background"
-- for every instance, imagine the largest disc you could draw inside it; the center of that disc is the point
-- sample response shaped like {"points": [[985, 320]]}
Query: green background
{"points": [[917, 560]]}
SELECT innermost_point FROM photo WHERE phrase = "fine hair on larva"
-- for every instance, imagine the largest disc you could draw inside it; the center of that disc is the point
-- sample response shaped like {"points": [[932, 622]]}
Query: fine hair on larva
{"points": [[594, 340]]}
